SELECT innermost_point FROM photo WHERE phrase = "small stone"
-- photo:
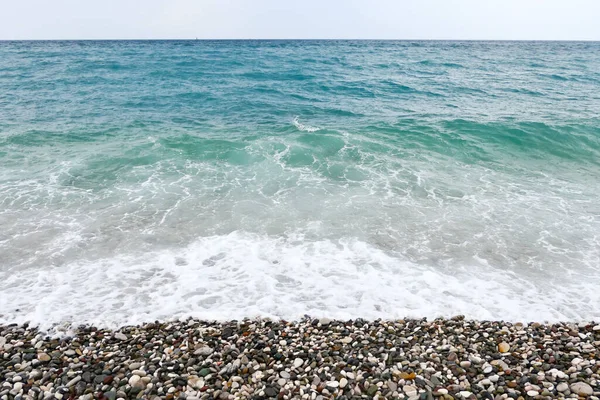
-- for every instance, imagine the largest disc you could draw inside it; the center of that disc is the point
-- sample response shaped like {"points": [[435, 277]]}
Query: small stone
{"points": [[195, 382], [372, 390], [324, 321], [392, 385], [596, 328], [465, 364], [16, 388], [120, 336], [134, 379], [43, 357], [284, 374], [503, 347], [73, 381], [203, 351], [532, 393], [562, 387], [35, 374], [475, 360], [465, 394], [298, 362], [135, 365], [407, 376], [343, 382], [271, 392], [410, 390]]}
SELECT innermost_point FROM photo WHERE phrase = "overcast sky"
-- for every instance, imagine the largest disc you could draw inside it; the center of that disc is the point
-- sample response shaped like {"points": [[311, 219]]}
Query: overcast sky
{"points": [[360, 19]]}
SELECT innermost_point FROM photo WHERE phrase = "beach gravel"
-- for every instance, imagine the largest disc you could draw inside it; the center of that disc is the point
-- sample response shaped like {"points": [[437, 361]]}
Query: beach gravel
{"points": [[312, 359]]}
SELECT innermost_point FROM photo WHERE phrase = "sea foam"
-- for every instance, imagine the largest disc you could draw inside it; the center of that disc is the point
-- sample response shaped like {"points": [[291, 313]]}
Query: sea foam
{"points": [[244, 275]]}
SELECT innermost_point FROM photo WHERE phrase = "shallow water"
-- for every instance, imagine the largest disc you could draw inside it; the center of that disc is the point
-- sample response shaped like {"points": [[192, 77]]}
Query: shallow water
{"points": [[148, 180]]}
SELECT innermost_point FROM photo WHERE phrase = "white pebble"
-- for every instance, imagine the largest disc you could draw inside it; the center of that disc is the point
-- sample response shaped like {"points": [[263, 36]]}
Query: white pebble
{"points": [[134, 379]]}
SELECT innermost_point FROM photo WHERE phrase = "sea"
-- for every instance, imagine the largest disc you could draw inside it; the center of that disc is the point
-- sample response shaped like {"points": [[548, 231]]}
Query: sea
{"points": [[158, 180]]}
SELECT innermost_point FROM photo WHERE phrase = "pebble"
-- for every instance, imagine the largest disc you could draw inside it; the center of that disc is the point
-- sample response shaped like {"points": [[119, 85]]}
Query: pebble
{"points": [[284, 374], [73, 381], [503, 347], [410, 390], [562, 387], [309, 359], [204, 351], [581, 388]]}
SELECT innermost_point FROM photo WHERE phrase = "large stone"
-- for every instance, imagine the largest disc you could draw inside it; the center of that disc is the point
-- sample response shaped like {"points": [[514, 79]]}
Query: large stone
{"points": [[582, 388]]}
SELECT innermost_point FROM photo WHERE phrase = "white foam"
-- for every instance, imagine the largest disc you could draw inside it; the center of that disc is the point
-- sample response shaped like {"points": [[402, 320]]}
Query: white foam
{"points": [[244, 275], [304, 128]]}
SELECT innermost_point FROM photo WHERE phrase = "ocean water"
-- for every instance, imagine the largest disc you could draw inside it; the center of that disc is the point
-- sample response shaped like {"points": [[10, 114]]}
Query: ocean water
{"points": [[232, 179]]}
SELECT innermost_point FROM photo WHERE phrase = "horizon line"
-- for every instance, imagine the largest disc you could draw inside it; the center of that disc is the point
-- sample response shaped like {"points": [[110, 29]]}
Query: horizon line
{"points": [[300, 39]]}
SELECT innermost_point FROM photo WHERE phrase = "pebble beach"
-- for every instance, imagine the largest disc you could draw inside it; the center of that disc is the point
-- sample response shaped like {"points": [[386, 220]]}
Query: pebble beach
{"points": [[307, 359]]}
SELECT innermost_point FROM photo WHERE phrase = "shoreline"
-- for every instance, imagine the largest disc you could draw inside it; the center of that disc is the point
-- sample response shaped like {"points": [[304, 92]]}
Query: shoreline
{"points": [[311, 359]]}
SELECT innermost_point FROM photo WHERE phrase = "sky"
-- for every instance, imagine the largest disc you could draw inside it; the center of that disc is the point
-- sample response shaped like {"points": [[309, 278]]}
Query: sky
{"points": [[301, 19]]}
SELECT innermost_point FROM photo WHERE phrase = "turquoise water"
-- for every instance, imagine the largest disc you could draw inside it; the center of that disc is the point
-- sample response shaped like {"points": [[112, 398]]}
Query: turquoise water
{"points": [[224, 179]]}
